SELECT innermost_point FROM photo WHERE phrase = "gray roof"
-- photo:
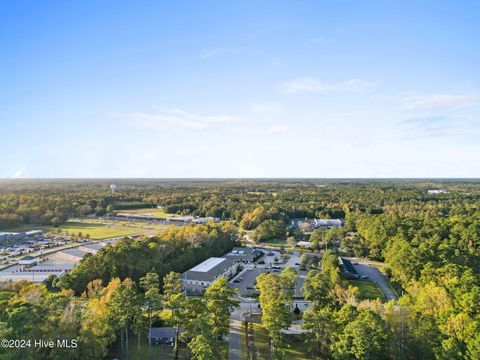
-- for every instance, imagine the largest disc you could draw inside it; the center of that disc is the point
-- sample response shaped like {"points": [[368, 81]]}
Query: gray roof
{"points": [[211, 273], [244, 252], [94, 247], [52, 267], [163, 332], [348, 266], [74, 252]]}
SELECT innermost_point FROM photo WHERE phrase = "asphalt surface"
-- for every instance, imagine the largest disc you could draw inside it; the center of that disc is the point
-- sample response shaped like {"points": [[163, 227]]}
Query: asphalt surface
{"points": [[235, 340], [247, 305], [363, 269]]}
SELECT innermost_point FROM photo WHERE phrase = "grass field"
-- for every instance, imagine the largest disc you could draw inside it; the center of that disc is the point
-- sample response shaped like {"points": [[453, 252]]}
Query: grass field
{"points": [[99, 232], [275, 243], [154, 211], [296, 348], [368, 290], [99, 229]]}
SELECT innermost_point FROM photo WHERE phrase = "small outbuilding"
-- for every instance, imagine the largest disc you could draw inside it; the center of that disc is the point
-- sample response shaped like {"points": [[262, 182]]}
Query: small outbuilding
{"points": [[27, 261], [163, 335]]}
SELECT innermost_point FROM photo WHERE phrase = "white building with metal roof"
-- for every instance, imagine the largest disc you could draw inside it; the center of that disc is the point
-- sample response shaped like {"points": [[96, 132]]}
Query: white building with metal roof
{"points": [[198, 278]]}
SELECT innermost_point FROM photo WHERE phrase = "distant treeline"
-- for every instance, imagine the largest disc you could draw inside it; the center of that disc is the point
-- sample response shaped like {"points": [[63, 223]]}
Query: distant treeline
{"points": [[52, 202]]}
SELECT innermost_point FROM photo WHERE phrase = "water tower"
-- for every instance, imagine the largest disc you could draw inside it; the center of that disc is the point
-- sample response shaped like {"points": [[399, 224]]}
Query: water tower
{"points": [[114, 188]]}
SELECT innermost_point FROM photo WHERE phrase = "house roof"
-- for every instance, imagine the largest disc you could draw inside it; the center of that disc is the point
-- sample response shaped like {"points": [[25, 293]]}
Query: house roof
{"points": [[347, 265]]}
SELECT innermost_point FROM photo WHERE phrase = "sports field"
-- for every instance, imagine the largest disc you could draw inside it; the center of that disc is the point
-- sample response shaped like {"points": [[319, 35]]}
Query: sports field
{"points": [[98, 231], [153, 211]]}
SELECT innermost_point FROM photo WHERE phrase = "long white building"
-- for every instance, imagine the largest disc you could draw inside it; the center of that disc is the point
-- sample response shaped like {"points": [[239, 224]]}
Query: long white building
{"points": [[198, 278]]}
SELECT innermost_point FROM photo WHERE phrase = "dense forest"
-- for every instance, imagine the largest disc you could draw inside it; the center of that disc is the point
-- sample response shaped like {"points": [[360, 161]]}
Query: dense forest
{"points": [[52, 202], [429, 242], [108, 295]]}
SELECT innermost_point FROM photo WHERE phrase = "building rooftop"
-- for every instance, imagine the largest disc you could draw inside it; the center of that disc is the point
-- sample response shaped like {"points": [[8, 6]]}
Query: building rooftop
{"points": [[163, 332], [347, 265], [208, 264], [244, 252], [94, 247], [34, 232], [52, 267], [74, 252], [208, 270]]}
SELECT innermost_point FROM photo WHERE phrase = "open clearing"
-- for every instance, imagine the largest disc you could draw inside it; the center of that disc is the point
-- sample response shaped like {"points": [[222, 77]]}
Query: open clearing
{"points": [[296, 345], [99, 229], [369, 290], [99, 232], [154, 211]]}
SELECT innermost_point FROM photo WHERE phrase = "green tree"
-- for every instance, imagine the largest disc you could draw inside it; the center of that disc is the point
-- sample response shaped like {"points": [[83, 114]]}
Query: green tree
{"points": [[275, 301], [150, 284], [220, 303], [176, 301], [123, 307], [291, 241], [363, 338]]}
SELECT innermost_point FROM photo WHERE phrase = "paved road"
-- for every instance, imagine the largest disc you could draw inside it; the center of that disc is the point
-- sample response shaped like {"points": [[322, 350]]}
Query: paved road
{"points": [[235, 340], [235, 334], [374, 274]]}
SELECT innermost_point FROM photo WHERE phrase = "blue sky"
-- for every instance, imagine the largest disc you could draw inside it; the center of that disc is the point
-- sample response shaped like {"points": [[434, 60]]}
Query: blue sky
{"points": [[239, 89]]}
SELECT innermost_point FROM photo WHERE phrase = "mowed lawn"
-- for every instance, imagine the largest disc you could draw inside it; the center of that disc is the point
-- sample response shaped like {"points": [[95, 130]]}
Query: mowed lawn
{"points": [[154, 211], [296, 346], [97, 231], [368, 290]]}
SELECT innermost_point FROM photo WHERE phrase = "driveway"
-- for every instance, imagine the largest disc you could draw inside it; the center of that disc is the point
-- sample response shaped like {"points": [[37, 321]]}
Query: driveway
{"points": [[363, 269], [235, 340]]}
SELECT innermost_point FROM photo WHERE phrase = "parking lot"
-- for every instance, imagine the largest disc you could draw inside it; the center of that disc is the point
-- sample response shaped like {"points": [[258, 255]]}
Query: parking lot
{"points": [[373, 274], [245, 281]]}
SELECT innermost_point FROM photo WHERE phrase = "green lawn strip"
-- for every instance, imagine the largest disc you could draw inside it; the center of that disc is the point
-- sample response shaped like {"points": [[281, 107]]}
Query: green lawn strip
{"points": [[244, 342], [368, 290], [276, 243], [261, 341], [297, 348]]}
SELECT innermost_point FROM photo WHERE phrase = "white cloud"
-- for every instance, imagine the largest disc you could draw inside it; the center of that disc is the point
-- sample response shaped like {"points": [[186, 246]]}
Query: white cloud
{"points": [[435, 127], [276, 129], [436, 102], [209, 53], [310, 84], [18, 174], [267, 108], [178, 118]]}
